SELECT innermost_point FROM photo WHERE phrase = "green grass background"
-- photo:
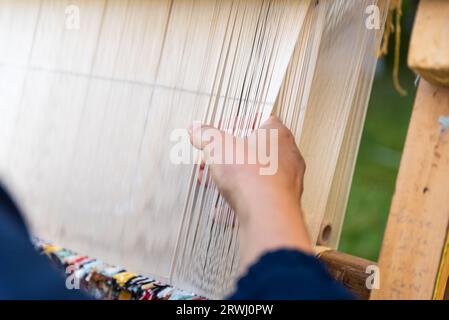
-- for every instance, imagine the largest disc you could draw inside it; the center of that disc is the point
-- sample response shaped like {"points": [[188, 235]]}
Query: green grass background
{"points": [[380, 154]]}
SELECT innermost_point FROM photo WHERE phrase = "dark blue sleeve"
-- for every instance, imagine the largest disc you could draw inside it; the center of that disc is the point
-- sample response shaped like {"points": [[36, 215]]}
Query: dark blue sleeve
{"points": [[289, 275], [24, 273]]}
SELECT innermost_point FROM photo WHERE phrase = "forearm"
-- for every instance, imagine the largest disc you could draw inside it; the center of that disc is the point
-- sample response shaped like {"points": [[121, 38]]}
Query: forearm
{"points": [[272, 227]]}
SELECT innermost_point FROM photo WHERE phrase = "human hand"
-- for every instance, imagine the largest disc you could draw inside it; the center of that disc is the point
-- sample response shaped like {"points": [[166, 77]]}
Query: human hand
{"points": [[268, 205]]}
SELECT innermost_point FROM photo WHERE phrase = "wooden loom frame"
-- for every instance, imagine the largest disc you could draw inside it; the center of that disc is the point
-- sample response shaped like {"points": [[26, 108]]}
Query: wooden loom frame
{"points": [[414, 260], [413, 263]]}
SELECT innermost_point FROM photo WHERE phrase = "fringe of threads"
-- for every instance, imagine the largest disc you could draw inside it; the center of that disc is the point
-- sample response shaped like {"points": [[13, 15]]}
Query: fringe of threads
{"points": [[393, 25]]}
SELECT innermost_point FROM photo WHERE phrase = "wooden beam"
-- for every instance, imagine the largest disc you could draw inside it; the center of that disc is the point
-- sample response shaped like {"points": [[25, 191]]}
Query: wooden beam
{"points": [[416, 232], [351, 271], [429, 45]]}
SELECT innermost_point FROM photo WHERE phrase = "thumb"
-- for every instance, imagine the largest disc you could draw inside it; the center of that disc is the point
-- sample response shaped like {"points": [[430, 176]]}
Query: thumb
{"points": [[201, 135], [212, 142]]}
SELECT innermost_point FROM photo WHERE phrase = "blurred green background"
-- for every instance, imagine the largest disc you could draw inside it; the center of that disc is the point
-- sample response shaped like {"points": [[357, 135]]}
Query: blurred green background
{"points": [[380, 152]]}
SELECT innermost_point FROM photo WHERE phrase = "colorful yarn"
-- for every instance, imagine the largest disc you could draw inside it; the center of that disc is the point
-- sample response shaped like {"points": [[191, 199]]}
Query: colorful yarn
{"points": [[103, 281]]}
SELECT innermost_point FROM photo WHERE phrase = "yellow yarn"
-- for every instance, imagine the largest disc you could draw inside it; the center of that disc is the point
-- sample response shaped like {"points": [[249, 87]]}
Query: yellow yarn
{"points": [[444, 261], [394, 25]]}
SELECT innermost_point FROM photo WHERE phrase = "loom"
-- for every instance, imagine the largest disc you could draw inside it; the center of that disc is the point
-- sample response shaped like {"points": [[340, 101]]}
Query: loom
{"points": [[91, 90]]}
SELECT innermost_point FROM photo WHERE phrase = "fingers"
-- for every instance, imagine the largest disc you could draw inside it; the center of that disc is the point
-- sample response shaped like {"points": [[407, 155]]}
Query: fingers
{"points": [[202, 176]]}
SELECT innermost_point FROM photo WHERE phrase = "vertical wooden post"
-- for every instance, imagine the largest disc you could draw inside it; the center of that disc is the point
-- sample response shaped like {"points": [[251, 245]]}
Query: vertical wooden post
{"points": [[415, 236], [429, 46], [413, 261]]}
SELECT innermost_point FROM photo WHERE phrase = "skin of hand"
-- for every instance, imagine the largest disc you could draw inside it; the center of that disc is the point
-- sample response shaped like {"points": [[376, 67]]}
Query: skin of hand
{"points": [[268, 206]]}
